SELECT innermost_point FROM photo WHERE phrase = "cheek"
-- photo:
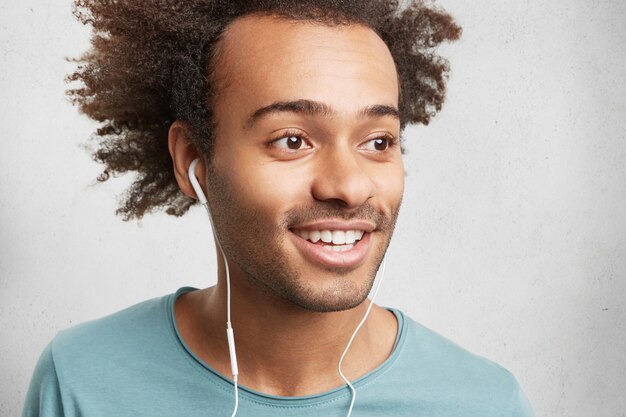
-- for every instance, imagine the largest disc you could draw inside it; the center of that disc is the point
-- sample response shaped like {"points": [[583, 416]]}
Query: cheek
{"points": [[269, 190]]}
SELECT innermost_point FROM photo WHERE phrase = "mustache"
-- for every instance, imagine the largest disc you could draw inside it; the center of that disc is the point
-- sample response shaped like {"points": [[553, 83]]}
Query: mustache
{"points": [[324, 211]]}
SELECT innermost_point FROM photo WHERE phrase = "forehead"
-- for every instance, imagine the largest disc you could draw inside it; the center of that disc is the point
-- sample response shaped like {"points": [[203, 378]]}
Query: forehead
{"points": [[272, 58]]}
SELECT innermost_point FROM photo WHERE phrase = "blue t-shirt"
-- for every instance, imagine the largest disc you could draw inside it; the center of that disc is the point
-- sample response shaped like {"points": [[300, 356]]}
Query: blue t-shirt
{"points": [[134, 363]]}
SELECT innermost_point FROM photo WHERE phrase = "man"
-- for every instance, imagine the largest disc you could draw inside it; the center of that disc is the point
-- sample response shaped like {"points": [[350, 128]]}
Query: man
{"points": [[294, 112]]}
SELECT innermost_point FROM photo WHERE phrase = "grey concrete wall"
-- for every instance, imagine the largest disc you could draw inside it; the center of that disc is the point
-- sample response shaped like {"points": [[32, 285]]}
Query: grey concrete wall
{"points": [[511, 241]]}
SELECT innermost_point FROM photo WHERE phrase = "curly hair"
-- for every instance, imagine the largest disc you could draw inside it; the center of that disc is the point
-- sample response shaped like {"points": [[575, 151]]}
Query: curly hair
{"points": [[151, 63]]}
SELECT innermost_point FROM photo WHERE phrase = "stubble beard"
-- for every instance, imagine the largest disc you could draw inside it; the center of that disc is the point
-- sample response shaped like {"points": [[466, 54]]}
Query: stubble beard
{"points": [[337, 291]]}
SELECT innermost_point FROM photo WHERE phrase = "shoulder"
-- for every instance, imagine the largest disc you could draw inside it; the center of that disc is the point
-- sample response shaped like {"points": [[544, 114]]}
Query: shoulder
{"points": [[466, 378], [97, 355], [121, 328], [114, 342]]}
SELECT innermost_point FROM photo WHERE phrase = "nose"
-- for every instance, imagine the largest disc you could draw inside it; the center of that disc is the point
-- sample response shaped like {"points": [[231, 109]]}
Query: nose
{"points": [[341, 177]]}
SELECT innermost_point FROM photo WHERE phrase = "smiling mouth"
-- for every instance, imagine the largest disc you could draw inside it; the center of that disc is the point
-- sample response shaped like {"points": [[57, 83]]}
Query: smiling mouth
{"points": [[332, 240]]}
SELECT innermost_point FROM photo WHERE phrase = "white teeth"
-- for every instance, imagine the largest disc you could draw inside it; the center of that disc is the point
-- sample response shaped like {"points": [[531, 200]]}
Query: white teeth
{"points": [[326, 236], [314, 236], [337, 248], [339, 237]]}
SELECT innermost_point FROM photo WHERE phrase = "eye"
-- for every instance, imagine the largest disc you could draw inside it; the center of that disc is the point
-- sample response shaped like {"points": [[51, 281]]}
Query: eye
{"points": [[290, 142], [379, 144]]}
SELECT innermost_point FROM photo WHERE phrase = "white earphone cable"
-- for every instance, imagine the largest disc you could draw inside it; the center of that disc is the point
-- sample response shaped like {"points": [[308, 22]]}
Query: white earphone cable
{"points": [[343, 355], [229, 328]]}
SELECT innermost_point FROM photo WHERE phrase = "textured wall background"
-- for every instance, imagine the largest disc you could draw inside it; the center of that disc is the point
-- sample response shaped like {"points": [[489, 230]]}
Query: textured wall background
{"points": [[512, 238]]}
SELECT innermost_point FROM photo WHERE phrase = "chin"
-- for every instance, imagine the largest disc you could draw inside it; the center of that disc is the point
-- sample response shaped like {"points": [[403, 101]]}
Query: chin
{"points": [[340, 294]]}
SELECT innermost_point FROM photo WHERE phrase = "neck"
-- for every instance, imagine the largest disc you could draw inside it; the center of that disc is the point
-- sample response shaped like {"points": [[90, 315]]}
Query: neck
{"points": [[282, 349]]}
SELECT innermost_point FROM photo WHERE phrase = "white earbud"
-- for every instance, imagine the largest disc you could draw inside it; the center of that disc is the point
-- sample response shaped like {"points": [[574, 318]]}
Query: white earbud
{"points": [[195, 184]]}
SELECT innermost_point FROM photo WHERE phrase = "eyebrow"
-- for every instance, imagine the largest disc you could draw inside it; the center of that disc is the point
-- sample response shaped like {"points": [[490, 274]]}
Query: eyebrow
{"points": [[316, 108], [379, 110]]}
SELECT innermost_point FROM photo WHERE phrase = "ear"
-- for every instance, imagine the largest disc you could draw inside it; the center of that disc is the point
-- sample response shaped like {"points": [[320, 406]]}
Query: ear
{"points": [[183, 152]]}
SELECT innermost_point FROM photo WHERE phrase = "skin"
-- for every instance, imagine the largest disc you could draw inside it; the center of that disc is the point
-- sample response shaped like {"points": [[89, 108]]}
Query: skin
{"points": [[293, 314]]}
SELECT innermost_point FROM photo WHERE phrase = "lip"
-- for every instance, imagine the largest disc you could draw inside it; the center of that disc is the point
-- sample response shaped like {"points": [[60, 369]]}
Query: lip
{"points": [[337, 225], [349, 259]]}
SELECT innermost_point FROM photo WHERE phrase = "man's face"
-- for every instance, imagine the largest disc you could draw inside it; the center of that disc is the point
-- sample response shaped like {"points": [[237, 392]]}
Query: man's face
{"points": [[307, 175]]}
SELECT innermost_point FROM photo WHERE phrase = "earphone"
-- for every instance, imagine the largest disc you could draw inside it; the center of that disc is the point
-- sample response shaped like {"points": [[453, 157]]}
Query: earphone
{"points": [[229, 329]]}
